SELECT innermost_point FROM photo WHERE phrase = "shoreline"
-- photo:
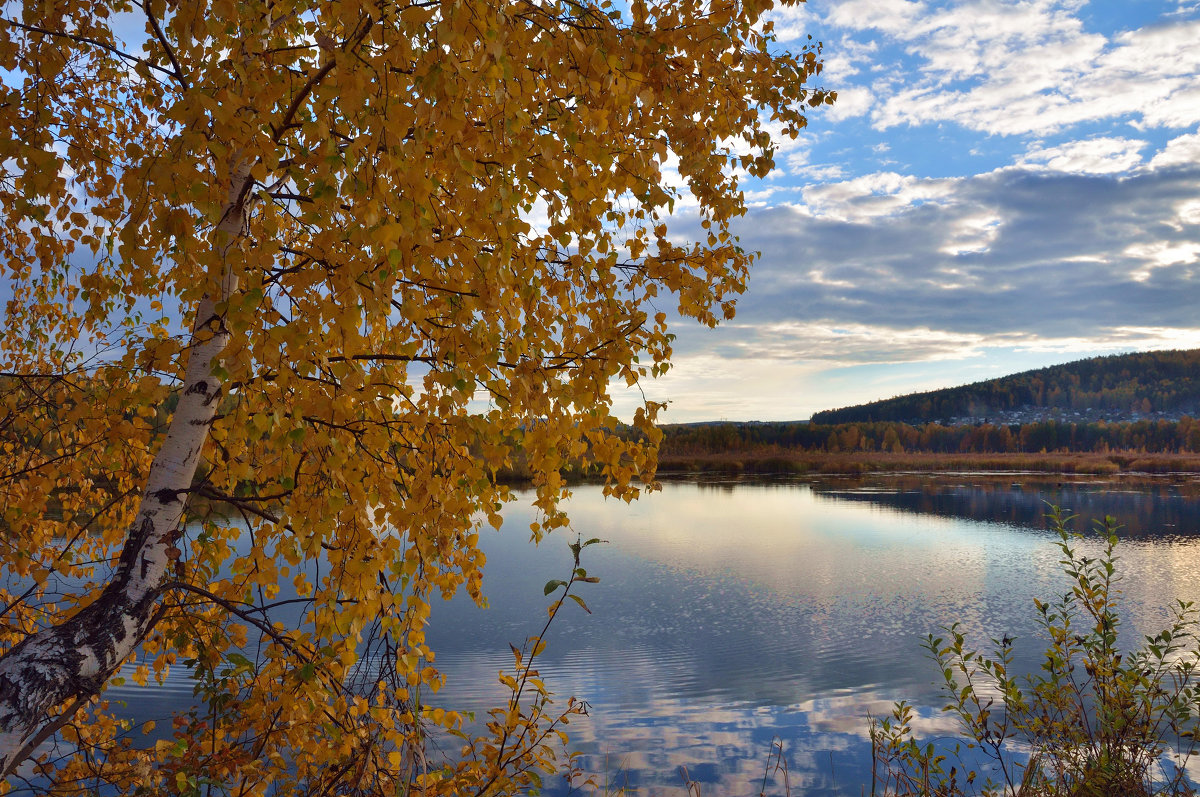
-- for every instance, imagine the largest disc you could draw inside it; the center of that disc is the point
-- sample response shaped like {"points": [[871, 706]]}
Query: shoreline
{"points": [[770, 464], [783, 462]]}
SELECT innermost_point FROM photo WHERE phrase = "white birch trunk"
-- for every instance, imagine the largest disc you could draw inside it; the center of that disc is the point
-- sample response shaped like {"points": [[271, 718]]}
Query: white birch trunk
{"points": [[74, 660]]}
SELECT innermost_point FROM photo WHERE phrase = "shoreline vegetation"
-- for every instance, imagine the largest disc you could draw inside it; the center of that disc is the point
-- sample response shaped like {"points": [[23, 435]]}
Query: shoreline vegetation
{"points": [[1048, 446], [1095, 719], [782, 461], [1144, 447]]}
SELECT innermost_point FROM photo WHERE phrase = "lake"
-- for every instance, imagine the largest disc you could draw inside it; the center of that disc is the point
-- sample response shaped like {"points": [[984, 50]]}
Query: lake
{"points": [[736, 616]]}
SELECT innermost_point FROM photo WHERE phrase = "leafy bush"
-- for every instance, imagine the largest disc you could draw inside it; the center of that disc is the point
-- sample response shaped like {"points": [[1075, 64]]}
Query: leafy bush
{"points": [[1093, 722]]}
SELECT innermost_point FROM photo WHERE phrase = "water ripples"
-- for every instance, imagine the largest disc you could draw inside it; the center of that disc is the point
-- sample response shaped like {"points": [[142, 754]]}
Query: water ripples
{"points": [[726, 619]]}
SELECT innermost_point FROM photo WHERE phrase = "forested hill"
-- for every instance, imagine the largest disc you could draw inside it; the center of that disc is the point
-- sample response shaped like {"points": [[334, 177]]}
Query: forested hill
{"points": [[1164, 384]]}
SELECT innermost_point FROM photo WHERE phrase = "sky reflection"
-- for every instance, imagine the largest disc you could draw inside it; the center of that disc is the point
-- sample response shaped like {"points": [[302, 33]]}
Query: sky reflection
{"points": [[731, 616]]}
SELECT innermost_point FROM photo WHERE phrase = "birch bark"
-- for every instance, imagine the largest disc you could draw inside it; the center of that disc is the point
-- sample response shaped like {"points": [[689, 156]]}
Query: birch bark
{"points": [[72, 661]]}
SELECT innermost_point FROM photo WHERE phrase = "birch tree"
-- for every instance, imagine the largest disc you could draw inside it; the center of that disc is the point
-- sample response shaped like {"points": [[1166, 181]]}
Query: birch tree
{"points": [[329, 268]]}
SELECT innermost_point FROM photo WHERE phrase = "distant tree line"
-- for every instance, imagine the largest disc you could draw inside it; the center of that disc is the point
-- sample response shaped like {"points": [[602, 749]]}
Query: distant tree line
{"points": [[1158, 436], [1160, 381]]}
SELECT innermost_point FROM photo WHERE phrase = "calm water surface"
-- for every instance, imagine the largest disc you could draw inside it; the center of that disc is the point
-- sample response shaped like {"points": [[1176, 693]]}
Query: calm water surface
{"points": [[730, 615], [733, 614]]}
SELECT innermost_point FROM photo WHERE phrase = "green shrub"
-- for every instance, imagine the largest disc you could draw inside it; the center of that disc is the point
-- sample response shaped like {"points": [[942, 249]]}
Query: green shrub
{"points": [[1093, 722]]}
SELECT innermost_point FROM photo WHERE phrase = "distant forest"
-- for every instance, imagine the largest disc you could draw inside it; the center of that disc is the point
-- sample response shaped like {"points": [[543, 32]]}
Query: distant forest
{"points": [[1151, 436], [1125, 386]]}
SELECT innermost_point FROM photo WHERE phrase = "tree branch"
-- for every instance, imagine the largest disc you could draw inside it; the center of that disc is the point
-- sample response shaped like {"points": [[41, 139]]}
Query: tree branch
{"points": [[162, 39], [117, 51]]}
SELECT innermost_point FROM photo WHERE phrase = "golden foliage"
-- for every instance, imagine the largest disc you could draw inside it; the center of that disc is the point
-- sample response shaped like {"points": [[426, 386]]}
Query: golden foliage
{"points": [[435, 233]]}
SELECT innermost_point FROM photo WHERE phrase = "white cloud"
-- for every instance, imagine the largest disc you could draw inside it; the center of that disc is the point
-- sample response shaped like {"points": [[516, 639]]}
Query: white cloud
{"points": [[819, 172], [1161, 254], [851, 101], [851, 343], [1117, 339], [1090, 156], [1180, 151], [849, 58], [759, 196], [972, 234], [874, 196], [1187, 213], [792, 23], [889, 16], [787, 149], [979, 38], [796, 162], [1027, 67], [1180, 108]]}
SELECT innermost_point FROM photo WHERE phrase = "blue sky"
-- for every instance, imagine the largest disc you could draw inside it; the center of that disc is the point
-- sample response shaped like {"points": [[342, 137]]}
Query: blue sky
{"points": [[1001, 186]]}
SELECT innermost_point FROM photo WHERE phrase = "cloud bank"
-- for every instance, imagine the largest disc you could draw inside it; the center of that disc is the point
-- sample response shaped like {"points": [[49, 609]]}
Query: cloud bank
{"points": [[1003, 184]]}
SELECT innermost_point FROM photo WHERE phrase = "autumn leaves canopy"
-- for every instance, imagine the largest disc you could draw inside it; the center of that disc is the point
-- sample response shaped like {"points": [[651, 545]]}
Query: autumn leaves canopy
{"points": [[328, 267]]}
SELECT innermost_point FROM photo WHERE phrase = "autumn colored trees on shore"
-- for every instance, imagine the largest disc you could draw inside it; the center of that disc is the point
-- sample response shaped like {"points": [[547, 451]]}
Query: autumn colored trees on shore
{"points": [[1152, 436]]}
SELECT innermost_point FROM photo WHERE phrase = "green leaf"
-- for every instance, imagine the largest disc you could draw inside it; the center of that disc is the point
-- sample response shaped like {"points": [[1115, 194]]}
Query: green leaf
{"points": [[241, 662]]}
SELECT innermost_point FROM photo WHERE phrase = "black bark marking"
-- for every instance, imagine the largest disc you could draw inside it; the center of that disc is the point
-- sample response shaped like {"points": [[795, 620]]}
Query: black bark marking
{"points": [[133, 547], [168, 496], [202, 387], [54, 673], [21, 698]]}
